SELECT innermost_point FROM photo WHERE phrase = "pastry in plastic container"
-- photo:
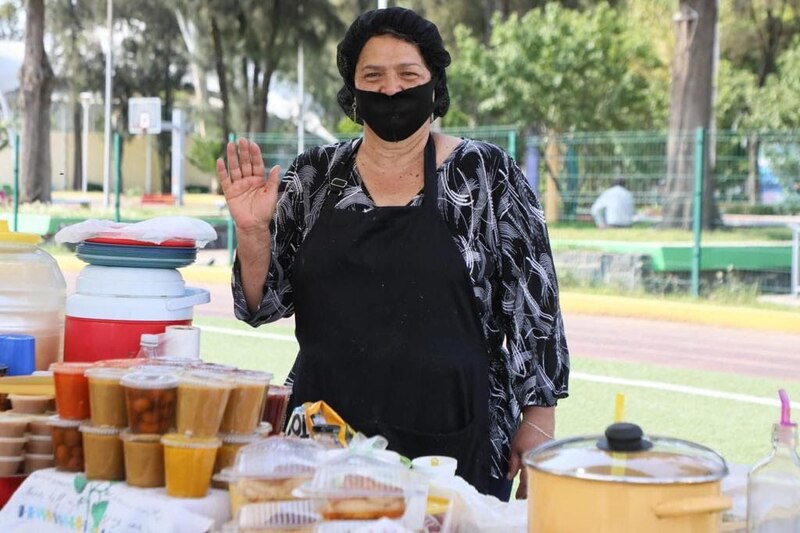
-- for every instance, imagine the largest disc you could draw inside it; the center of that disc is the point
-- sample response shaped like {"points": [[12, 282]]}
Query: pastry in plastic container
{"points": [[270, 470], [291, 516], [357, 487]]}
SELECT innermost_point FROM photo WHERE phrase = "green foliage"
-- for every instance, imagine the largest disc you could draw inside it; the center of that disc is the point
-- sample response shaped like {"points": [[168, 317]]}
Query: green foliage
{"points": [[11, 27], [736, 93], [345, 126], [777, 105], [556, 69], [203, 153]]}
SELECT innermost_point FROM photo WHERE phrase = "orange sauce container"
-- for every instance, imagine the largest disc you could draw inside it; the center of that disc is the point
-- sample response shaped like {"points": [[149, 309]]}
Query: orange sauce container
{"points": [[188, 464], [72, 390]]}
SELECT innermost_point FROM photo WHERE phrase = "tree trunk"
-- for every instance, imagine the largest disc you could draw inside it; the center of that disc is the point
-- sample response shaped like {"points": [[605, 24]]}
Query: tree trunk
{"points": [[752, 169], [690, 108], [262, 117], [219, 66], [36, 87], [247, 112], [77, 145]]}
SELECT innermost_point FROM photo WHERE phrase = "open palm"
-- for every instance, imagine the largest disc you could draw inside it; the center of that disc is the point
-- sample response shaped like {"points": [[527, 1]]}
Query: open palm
{"points": [[251, 195]]}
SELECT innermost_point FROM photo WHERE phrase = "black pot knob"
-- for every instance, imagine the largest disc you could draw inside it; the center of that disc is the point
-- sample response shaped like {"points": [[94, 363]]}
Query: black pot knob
{"points": [[624, 437]]}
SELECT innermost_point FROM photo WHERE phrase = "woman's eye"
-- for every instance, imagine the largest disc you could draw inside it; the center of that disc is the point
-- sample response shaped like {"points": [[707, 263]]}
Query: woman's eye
{"points": [[371, 76]]}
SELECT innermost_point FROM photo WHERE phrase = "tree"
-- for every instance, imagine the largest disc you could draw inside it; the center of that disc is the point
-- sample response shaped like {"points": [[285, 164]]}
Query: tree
{"points": [[10, 27], [690, 108], [36, 88]]}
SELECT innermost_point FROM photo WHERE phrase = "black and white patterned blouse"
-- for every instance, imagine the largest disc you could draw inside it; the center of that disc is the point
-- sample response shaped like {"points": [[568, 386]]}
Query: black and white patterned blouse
{"points": [[499, 227]]}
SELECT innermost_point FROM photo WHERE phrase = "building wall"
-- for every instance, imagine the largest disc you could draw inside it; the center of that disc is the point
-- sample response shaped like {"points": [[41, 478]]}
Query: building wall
{"points": [[133, 163]]}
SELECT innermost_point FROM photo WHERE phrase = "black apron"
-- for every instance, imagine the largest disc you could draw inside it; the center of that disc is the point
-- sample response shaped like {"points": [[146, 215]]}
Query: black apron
{"points": [[388, 328]]}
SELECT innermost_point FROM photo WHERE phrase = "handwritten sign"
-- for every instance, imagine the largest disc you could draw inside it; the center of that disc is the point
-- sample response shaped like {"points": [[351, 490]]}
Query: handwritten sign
{"points": [[60, 502]]}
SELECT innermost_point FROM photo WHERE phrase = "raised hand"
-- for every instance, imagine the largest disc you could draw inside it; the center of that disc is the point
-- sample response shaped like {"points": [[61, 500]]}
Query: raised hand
{"points": [[251, 196]]}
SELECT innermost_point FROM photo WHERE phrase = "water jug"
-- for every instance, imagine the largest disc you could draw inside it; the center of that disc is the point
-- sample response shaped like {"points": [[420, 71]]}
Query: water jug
{"points": [[32, 294]]}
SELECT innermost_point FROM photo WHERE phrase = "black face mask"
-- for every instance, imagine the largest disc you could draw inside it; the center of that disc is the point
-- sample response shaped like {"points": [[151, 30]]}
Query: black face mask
{"points": [[394, 118]]}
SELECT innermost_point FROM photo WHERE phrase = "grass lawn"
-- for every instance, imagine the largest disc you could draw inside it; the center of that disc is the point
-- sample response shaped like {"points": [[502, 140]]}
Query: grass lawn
{"points": [[648, 233], [740, 431]]}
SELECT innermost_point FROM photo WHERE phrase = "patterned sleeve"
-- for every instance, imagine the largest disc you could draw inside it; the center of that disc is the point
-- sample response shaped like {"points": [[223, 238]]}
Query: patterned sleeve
{"points": [[287, 229], [531, 316]]}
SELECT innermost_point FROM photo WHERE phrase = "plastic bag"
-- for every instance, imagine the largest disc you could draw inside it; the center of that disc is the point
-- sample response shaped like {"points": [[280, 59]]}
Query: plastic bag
{"points": [[155, 230]]}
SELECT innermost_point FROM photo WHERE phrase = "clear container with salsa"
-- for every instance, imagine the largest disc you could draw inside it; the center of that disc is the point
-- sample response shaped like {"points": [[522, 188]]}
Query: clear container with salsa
{"points": [[202, 399], [107, 396], [72, 390], [188, 464], [144, 459], [67, 444], [275, 407], [103, 459], [150, 398], [245, 406]]}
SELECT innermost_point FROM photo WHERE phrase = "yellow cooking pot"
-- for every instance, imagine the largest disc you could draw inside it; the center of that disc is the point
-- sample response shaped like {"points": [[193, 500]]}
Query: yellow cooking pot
{"points": [[624, 482]]}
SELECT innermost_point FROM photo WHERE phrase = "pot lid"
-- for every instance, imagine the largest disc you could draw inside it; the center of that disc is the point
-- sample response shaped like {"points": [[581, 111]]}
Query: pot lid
{"points": [[625, 455]]}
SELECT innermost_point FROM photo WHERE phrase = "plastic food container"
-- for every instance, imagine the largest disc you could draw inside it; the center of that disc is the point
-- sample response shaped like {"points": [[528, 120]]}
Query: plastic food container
{"points": [[72, 390], [364, 488], [67, 444], [14, 426], [144, 459], [435, 465], [275, 407], [245, 406], [29, 404], [231, 444], [39, 445], [270, 470], [9, 466], [150, 399], [35, 461], [296, 516], [188, 464], [103, 458], [202, 398], [12, 446], [107, 396], [38, 425]]}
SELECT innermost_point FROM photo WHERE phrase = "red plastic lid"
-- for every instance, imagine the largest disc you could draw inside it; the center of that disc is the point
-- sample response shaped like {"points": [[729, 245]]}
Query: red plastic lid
{"points": [[171, 243]]}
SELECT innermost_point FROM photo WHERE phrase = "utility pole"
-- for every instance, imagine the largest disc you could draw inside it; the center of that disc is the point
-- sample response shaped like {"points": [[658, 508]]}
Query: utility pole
{"points": [[107, 133]]}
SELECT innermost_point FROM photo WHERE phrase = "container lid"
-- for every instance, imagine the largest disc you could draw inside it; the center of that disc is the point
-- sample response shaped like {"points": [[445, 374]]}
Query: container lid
{"points": [[15, 237], [107, 372], [625, 455], [38, 438], [150, 380], [134, 282], [279, 390], [14, 440], [70, 368], [40, 456], [177, 440], [353, 475], [277, 458], [59, 422], [100, 430], [251, 377], [127, 436], [240, 438], [124, 363], [206, 378], [279, 515], [14, 459]]}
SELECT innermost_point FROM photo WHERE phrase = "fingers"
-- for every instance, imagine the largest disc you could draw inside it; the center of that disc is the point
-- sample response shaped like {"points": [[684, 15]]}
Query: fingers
{"points": [[522, 489], [514, 464], [235, 171], [254, 152], [222, 174], [244, 158]]}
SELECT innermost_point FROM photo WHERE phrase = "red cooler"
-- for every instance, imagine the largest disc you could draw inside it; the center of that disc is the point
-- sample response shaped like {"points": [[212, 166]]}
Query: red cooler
{"points": [[113, 306]]}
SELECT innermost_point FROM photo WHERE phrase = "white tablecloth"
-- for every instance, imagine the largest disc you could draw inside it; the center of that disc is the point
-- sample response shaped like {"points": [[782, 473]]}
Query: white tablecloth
{"points": [[57, 502]]}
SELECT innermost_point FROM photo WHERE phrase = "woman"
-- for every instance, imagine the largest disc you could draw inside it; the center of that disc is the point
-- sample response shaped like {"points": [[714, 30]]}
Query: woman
{"points": [[417, 266]]}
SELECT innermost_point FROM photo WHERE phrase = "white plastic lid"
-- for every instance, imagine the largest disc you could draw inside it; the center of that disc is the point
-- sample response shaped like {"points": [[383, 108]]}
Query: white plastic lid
{"points": [[150, 380], [277, 458], [59, 422], [144, 308], [136, 282]]}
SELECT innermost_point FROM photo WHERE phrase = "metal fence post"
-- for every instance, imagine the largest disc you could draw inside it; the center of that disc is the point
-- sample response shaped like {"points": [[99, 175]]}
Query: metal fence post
{"points": [[512, 143], [15, 140], [117, 174], [231, 239], [697, 207]]}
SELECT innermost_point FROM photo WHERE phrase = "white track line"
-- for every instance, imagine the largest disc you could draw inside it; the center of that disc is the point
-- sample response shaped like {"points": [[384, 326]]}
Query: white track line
{"points": [[255, 334], [581, 376], [682, 389]]}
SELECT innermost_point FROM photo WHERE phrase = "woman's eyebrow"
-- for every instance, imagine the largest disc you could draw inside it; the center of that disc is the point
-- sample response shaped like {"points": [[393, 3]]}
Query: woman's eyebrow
{"points": [[382, 67]]}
